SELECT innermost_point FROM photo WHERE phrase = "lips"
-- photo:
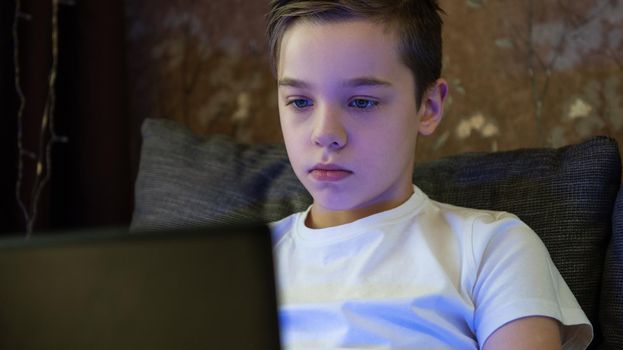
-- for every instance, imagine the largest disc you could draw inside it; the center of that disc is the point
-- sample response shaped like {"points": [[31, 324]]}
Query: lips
{"points": [[329, 172]]}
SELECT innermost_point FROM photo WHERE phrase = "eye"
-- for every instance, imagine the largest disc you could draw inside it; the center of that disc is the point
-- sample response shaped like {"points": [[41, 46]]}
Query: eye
{"points": [[363, 103], [300, 103]]}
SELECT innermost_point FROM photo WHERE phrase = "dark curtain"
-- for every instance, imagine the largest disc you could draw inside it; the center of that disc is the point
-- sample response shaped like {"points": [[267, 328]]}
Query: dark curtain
{"points": [[93, 172]]}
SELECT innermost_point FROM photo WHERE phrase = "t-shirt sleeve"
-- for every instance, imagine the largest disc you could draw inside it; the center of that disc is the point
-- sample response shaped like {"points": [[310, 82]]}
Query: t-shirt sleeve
{"points": [[516, 278]]}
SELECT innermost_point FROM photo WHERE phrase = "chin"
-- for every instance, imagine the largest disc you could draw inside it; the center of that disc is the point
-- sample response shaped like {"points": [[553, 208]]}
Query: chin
{"points": [[335, 201]]}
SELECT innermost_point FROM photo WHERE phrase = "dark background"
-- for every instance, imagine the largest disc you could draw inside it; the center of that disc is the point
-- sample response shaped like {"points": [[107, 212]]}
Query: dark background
{"points": [[521, 74], [92, 174]]}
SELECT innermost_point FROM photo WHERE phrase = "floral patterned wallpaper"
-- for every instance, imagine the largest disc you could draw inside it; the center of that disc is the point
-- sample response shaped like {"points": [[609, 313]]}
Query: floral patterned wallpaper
{"points": [[522, 73]]}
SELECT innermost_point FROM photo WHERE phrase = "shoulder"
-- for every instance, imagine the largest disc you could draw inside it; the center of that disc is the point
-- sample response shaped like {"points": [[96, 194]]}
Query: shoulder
{"points": [[476, 228], [511, 275], [281, 228], [472, 215], [493, 241]]}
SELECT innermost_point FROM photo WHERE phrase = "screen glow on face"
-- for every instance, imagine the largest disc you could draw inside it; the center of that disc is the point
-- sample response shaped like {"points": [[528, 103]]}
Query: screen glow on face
{"points": [[348, 114]]}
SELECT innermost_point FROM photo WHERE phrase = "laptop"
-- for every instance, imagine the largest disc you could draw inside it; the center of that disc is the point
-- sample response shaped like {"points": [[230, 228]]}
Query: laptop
{"points": [[203, 288]]}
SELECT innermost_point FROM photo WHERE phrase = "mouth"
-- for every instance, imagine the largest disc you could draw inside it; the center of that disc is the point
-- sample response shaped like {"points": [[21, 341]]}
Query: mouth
{"points": [[329, 172]]}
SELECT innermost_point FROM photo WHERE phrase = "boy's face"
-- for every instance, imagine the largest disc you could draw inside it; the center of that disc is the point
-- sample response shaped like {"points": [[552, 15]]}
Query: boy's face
{"points": [[348, 115]]}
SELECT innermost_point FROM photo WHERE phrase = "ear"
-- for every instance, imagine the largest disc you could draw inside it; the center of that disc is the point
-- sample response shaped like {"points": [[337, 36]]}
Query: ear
{"points": [[431, 109]]}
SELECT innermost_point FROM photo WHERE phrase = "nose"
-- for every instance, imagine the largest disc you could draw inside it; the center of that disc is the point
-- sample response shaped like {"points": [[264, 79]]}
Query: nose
{"points": [[329, 131]]}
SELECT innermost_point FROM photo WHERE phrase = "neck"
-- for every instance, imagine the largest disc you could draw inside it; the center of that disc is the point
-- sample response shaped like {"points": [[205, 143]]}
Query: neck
{"points": [[320, 217]]}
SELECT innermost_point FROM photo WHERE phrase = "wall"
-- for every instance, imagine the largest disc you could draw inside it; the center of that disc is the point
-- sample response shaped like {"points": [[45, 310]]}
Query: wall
{"points": [[521, 73]]}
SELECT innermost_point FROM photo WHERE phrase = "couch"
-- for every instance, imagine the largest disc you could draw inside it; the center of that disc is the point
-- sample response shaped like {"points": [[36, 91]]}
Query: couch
{"points": [[570, 196]]}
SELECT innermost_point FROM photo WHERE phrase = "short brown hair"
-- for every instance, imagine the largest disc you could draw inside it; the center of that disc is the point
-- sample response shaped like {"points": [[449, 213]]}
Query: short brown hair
{"points": [[417, 22]]}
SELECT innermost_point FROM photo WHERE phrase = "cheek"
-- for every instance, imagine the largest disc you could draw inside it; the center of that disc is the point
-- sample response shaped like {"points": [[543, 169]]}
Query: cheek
{"points": [[391, 149], [291, 134], [287, 129], [293, 140], [282, 115]]}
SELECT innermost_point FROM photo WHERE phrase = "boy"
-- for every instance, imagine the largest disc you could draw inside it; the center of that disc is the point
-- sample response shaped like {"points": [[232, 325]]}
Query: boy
{"points": [[374, 263]]}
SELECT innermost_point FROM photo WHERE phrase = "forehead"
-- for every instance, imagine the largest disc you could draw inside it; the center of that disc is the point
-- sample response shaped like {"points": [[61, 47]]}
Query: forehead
{"points": [[343, 47]]}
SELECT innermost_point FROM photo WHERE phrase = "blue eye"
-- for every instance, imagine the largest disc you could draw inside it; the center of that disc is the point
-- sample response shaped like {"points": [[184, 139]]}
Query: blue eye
{"points": [[362, 103], [300, 103]]}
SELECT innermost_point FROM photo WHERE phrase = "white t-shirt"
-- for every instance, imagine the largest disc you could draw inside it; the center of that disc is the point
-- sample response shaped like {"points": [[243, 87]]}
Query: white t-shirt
{"points": [[424, 275]]}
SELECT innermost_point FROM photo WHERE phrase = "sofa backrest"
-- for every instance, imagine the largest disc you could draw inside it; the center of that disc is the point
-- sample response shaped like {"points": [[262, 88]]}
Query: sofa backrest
{"points": [[611, 308], [566, 195]]}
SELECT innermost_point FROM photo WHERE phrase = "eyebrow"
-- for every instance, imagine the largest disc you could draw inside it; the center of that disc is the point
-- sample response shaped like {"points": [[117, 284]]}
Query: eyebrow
{"points": [[293, 83], [351, 83], [365, 81]]}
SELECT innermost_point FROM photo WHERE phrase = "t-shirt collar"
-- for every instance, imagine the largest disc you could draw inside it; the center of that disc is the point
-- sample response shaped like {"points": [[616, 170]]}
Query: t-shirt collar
{"points": [[410, 207]]}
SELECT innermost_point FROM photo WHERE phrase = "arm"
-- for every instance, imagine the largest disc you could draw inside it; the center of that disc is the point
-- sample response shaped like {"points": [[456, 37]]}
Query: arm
{"points": [[526, 333]]}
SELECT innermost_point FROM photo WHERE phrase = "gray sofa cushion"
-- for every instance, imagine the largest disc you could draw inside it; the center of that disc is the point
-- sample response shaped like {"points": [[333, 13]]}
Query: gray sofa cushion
{"points": [[566, 195], [611, 310], [185, 179]]}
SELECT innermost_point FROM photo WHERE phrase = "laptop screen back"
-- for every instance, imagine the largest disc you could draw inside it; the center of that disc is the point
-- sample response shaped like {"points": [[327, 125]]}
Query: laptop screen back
{"points": [[200, 289]]}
